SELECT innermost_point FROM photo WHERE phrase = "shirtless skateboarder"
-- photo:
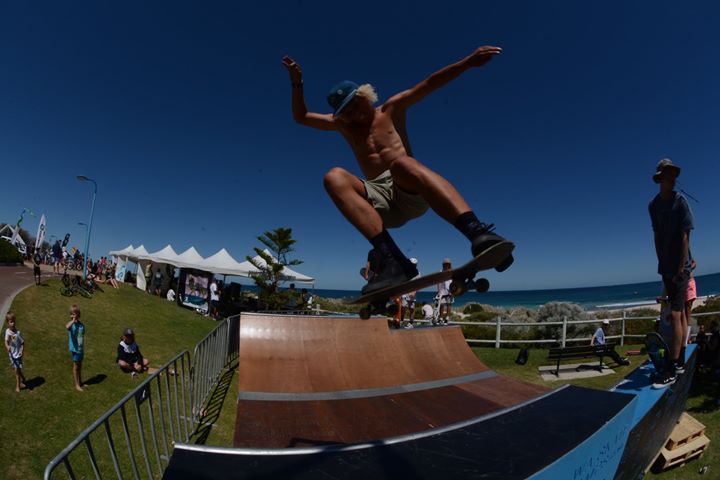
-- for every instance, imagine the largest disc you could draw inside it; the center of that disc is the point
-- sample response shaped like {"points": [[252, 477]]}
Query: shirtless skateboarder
{"points": [[397, 187]]}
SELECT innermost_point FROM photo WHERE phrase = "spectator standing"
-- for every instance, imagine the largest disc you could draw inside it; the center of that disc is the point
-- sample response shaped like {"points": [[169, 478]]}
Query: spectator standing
{"points": [[444, 297], [158, 281], [56, 256], [37, 260], [690, 298], [214, 299], [408, 302], [15, 346], [76, 344], [672, 221]]}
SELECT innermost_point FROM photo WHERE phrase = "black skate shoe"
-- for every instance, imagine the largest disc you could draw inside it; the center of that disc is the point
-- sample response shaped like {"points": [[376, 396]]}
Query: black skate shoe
{"points": [[391, 272], [486, 239]]}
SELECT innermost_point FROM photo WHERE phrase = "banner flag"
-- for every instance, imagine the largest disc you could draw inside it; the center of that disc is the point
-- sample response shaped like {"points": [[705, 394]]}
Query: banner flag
{"points": [[40, 237]]}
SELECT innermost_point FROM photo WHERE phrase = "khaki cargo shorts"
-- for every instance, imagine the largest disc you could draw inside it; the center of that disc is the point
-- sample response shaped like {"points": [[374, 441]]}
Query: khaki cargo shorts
{"points": [[395, 206]]}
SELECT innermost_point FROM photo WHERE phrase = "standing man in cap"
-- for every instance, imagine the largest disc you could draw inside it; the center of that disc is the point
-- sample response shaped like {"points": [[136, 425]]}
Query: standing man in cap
{"points": [[444, 298], [672, 221], [397, 187]]}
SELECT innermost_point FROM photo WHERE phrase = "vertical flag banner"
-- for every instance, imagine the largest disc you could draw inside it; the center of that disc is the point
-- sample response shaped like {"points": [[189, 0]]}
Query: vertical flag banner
{"points": [[40, 237]]}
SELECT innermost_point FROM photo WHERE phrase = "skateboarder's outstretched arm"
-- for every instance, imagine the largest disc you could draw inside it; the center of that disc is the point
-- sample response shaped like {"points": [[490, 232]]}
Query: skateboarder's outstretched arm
{"points": [[300, 113], [440, 78]]}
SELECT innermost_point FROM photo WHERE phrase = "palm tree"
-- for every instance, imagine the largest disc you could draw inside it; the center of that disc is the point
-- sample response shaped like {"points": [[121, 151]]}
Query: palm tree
{"points": [[280, 243]]}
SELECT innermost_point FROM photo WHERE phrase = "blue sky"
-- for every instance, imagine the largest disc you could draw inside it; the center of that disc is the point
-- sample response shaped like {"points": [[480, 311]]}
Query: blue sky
{"points": [[181, 113]]}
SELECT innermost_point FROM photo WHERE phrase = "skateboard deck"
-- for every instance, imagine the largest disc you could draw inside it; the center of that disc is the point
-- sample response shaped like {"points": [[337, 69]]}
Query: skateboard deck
{"points": [[658, 351], [461, 276]]}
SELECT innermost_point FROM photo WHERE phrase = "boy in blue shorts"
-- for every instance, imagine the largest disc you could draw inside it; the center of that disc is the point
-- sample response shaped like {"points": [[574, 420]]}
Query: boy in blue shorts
{"points": [[15, 346], [76, 344]]}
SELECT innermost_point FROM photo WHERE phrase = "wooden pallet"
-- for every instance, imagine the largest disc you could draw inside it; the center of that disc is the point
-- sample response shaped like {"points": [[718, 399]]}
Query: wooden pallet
{"points": [[687, 430], [687, 441], [680, 455]]}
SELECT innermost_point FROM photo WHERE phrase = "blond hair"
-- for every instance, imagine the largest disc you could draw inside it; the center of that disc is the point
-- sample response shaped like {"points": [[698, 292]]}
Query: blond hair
{"points": [[367, 91], [75, 309]]}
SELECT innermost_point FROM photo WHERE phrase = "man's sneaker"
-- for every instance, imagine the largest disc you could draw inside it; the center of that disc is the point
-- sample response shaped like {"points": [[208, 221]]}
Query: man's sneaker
{"points": [[445, 321], [666, 379], [391, 272], [679, 368], [409, 326], [486, 239]]}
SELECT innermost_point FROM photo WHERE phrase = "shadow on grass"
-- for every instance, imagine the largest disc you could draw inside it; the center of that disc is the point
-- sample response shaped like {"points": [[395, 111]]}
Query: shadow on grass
{"points": [[94, 380], [34, 382], [214, 405], [705, 384]]}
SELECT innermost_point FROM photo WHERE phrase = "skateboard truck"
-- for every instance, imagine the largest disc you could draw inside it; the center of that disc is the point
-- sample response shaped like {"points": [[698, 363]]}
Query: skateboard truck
{"points": [[460, 286]]}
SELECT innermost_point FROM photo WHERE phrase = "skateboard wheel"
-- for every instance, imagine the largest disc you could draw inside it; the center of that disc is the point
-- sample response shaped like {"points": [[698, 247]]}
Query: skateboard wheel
{"points": [[365, 313], [457, 288], [482, 285]]}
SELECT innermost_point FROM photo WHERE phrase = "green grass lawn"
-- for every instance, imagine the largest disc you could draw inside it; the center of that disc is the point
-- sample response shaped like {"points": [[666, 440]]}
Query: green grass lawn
{"points": [[37, 424]]}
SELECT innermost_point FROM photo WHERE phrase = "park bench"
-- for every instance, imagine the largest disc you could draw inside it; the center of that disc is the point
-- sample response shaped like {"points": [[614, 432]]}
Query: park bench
{"points": [[582, 351]]}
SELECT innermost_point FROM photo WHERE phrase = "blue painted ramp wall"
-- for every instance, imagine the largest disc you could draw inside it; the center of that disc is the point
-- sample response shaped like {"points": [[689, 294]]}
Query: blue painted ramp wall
{"points": [[656, 414]]}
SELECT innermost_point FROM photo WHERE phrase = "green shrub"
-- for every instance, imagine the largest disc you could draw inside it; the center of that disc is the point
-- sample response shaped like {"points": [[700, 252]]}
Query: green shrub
{"points": [[641, 327], [712, 305], [473, 308], [8, 253]]}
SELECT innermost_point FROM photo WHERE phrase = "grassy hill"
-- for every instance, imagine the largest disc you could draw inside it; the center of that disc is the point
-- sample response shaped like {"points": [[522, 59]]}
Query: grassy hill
{"points": [[37, 424]]}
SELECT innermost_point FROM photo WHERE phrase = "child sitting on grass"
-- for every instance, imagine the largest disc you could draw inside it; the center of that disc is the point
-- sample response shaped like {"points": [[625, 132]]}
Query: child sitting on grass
{"points": [[129, 357], [15, 345]]}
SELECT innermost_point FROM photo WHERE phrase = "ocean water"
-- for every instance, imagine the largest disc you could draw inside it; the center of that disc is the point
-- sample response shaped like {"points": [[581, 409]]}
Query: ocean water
{"points": [[590, 298]]}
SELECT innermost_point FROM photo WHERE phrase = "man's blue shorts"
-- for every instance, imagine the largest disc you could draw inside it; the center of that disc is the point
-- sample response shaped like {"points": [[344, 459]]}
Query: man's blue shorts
{"points": [[77, 357]]}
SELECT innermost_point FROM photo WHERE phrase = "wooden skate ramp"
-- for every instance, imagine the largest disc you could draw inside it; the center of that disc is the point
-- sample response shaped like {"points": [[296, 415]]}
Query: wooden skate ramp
{"points": [[308, 380]]}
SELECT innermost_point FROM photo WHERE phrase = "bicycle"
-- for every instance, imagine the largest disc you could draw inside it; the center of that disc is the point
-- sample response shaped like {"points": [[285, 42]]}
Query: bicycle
{"points": [[72, 286]]}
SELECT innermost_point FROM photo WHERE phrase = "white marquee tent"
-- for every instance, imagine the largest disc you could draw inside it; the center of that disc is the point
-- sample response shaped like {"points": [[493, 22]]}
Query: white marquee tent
{"points": [[221, 263]]}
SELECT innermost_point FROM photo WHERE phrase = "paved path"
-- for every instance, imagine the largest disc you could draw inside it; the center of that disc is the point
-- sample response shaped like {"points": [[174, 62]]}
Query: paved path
{"points": [[12, 281]]}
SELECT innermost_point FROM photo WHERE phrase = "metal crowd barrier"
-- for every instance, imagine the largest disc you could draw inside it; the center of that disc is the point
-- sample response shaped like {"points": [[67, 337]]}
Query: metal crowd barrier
{"points": [[137, 434], [135, 437]]}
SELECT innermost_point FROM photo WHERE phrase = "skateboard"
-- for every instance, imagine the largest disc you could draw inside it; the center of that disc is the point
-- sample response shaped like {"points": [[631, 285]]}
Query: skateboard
{"points": [[659, 353], [462, 280], [665, 321]]}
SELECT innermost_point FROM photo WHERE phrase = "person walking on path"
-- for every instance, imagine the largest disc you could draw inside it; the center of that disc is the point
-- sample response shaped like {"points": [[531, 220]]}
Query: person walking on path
{"points": [[76, 345], [672, 220], [15, 346], [397, 187]]}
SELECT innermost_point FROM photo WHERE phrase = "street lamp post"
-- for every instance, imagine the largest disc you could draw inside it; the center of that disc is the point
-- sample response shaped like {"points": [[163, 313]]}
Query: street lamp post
{"points": [[83, 178]]}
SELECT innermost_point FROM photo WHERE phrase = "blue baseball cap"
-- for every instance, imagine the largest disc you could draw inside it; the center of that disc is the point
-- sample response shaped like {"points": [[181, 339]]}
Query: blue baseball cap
{"points": [[340, 95]]}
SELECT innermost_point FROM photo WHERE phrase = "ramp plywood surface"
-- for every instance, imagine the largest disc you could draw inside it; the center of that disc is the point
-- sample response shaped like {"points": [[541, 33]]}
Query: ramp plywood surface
{"points": [[323, 380], [293, 354]]}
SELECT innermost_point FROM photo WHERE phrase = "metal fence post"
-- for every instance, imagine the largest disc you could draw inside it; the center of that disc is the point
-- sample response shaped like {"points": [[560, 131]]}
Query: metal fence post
{"points": [[564, 331], [498, 330], [622, 333]]}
